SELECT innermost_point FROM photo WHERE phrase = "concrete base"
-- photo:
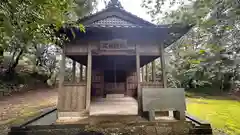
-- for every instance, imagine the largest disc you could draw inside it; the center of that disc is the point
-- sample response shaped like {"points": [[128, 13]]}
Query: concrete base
{"points": [[70, 120], [71, 114], [71, 117]]}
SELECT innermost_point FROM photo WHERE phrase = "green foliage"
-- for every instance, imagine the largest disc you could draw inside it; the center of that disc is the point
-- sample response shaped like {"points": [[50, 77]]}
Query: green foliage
{"points": [[84, 7], [222, 112], [206, 59], [28, 22], [28, 32], [207, 56]]}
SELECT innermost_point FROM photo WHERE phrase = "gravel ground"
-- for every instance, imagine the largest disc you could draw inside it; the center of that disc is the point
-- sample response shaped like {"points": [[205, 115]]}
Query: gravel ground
{"points": [[18, 108]]}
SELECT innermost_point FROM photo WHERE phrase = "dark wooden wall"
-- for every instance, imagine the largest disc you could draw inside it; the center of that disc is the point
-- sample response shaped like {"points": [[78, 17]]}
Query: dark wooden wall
{"points": [[132, 84], [99, 87], [97, 83]]}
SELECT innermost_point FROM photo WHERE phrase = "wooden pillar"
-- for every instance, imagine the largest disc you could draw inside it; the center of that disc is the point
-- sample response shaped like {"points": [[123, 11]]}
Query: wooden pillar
{"points": [[139, 90], [89, 79], [85, 73], [147, 79], [143, 79], [164, 77], [81, 73], [74, 71], [154, 71], [60, 103], [126, 87]]}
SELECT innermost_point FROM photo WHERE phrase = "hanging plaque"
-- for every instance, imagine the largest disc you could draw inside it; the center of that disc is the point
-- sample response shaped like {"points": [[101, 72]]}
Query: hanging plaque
{"points": [[116, 44]]}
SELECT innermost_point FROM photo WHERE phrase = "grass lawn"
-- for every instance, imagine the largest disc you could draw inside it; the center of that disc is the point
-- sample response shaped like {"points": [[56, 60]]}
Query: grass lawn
{"points": [[222, 113]]}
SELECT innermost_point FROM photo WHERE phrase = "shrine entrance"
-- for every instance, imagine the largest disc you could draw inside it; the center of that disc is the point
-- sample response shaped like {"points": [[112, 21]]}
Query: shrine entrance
{"points": [[113, 75], [115, 81], [114, 50], [112, 79]]}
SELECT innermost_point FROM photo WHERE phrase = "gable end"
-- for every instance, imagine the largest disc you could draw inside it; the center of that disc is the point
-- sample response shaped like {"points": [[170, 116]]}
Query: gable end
{"points": [[112, 21], [116, 12]]}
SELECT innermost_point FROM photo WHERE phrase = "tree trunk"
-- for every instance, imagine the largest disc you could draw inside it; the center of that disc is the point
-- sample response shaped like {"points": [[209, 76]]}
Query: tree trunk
{"points": [[13, 65], [1, 54], [234, 78]]}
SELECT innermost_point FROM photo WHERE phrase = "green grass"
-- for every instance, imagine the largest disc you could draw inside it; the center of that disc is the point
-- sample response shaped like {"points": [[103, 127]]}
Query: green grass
{"points": [[222, 113]]}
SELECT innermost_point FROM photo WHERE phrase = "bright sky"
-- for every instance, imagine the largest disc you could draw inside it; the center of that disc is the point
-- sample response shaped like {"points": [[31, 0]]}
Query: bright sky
{"points": [[134, 6]]}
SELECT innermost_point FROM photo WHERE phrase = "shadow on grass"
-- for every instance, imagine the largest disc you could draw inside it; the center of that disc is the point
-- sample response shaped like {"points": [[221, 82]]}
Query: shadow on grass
{"points": [[221, 110], [210, 93]]}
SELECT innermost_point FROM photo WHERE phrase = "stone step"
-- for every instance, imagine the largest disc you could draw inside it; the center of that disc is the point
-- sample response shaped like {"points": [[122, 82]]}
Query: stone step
{"points": [[115, 96]]}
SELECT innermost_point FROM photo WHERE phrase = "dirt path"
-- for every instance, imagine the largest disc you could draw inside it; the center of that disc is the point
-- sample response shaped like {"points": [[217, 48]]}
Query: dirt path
{"points": [[24, 104]]}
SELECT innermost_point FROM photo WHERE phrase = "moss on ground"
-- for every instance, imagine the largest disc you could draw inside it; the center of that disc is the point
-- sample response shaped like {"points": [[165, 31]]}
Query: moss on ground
{"points": [[4, 126], [221, 112]]}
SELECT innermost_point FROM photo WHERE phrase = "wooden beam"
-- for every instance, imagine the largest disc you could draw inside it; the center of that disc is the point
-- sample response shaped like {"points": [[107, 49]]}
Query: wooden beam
{"points": [[85, 73], [60, 103], [146, 75], [74, 71], [142, 74], [89, 79], [114, 52], [163, 64], [139, 90], [76, 53], [81, 73], [153, 71], [126, 87]]}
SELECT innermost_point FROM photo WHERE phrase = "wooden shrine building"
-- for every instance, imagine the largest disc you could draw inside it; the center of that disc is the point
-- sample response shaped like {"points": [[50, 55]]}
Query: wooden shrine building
{"points": [[114, 48]]}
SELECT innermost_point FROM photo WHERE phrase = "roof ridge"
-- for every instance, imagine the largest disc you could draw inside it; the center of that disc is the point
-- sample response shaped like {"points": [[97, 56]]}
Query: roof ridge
{"points": [[92, 14], [137, 17], [115, 8]]}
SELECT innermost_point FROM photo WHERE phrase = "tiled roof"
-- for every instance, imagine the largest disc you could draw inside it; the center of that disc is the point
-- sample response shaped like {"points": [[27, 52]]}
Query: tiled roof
{"points": [[112, 21], [112, 26], [129, 25]]}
